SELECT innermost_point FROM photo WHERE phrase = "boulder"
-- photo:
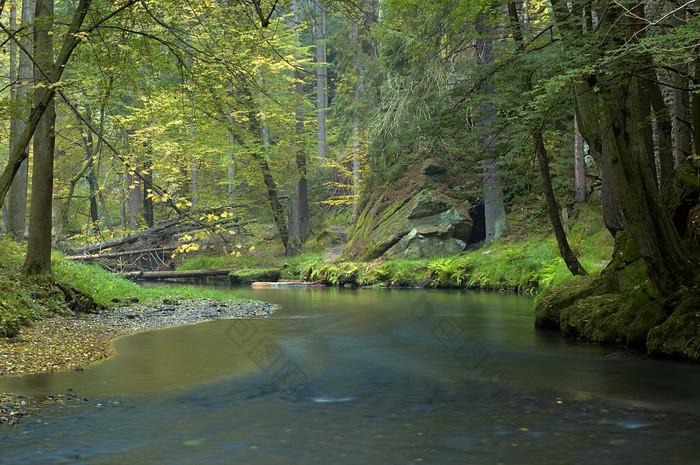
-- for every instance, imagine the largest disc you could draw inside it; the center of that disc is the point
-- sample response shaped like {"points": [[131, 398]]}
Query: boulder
{"points": [[427, 223]]}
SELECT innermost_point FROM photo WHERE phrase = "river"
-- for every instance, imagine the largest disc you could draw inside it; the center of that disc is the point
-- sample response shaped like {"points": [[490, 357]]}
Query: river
{"points": [[365, 376]]}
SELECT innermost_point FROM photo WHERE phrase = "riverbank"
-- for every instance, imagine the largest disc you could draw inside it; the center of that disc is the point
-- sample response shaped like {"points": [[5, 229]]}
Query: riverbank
{"points": [[526, 261], [72, 343]]}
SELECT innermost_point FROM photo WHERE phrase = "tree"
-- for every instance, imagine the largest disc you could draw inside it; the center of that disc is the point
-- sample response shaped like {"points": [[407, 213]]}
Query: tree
{"points": [[608, 102], [299, 224], [494, 210], [321, 76], [540, 151], [17, 195], [581, 191], [38, 259]]}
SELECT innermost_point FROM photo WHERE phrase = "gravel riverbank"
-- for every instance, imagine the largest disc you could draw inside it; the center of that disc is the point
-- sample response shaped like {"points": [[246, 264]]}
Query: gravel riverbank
{"points": [[72, 343]]}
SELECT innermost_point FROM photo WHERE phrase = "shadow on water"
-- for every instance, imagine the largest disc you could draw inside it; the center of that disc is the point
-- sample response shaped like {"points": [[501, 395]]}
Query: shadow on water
{"points": [[366, 376]]}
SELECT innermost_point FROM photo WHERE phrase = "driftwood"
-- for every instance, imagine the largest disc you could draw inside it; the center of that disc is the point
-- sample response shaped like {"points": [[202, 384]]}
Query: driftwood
{"points": [[129, 238], [130, 299], [176, 234], [121, 254], [174, 274]]}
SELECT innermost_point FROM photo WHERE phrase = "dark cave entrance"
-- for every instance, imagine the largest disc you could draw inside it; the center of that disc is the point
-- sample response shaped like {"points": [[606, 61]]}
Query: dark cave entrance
{"points": [[479, 227]]}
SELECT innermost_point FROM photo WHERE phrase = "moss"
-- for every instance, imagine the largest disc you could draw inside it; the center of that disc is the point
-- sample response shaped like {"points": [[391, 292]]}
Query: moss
{"points": [[612, 318], [550, 304], [252, 275], [618, 306], [625, 251], [679, 335]]}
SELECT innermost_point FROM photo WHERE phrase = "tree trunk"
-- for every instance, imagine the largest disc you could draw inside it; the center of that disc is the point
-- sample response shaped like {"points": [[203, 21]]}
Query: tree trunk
{"points": [[356, 165], [580, 188], [494, 210], [122, 202], [194, 162], [321, 77], [645, 124], [17, 195], [175, 274], [540, 151], [664, 130], [65, 210], [299, 226], [682, 116], [565, 251], [135, 200], [38, 259], [147, 178], [696, 109], [279, 216], [649, 223]]}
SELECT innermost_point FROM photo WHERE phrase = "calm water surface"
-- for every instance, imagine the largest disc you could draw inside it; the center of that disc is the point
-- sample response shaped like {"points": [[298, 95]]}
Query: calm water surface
{"points": [[362, 376]]}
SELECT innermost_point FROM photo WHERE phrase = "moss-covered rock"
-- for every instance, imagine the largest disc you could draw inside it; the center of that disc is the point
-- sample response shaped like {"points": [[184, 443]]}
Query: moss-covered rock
{"points": [[679, 335], [612, 318], [617, 306], [550, 304], [254, 275], [429, 222]]}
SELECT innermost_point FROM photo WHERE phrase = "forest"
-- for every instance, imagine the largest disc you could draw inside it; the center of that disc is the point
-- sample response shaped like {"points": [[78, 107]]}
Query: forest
{"points": [[411, 130], [444, 231]]}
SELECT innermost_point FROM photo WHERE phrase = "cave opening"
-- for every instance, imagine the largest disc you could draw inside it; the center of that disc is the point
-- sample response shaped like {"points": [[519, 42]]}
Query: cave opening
{"points": [[479, 224]]}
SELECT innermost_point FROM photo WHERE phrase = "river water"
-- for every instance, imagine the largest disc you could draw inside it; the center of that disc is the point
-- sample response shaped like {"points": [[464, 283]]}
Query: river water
{"points": [[365, 376]]}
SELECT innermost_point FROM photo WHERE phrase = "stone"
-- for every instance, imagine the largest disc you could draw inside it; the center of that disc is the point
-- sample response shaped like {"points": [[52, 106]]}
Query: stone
{"points": [[679, 335], [428, 223], [432, 168]]}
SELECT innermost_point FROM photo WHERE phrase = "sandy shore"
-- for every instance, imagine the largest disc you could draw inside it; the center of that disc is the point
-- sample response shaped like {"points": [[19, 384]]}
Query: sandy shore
{"points": [[72, 343]]}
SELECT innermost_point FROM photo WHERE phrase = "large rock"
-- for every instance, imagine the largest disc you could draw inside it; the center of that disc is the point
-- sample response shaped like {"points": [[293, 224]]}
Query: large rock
{"points": [[429, 222]]}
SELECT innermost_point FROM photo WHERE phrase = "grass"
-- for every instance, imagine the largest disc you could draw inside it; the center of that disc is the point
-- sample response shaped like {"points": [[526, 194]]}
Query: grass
{"points": [[24, 299], [523, 263]]}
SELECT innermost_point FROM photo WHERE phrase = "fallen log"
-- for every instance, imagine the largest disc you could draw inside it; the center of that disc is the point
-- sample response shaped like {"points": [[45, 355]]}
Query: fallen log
{"points": [[173, 274], [129, 299], [129, 238], [121, 254], [263, 285]]}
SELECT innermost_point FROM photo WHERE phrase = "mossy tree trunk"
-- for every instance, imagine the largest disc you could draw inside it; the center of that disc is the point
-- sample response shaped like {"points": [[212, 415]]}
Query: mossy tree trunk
{"points": [[608, 106]]}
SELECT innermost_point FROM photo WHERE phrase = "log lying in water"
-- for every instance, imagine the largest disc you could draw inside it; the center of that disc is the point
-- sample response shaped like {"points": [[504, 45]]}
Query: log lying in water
{"points": [[174, 274], [260, 284]]}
